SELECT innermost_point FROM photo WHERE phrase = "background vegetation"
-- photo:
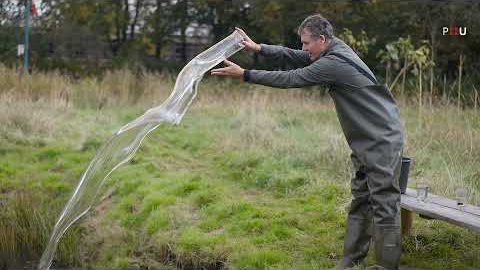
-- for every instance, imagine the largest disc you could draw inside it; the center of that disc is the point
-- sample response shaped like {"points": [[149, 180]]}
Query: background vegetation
{"points": [[402, 42]]}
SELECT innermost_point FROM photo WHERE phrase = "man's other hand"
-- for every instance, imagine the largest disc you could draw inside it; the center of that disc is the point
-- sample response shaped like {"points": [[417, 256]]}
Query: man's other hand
{"points": [[231, 70], [250, 45]]}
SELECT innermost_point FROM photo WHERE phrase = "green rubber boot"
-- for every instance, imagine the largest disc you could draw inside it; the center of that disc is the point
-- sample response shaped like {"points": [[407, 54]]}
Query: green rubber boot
{"points": [[356, 243], [387, 247]]}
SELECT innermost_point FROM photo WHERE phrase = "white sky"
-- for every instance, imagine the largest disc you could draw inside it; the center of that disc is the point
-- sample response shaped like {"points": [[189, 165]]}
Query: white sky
{"points": [[37, 4]]}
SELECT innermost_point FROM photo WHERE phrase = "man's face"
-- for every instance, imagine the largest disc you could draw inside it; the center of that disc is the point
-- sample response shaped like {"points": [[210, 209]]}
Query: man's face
{"points": [[314, 46]]}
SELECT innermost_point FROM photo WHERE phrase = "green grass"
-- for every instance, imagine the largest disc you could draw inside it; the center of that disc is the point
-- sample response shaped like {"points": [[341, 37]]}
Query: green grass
{"points": [[249, 180]]}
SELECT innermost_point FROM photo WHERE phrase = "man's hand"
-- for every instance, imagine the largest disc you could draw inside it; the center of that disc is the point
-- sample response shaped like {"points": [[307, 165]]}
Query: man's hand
{"points": [[250, 45], [232, 70]]}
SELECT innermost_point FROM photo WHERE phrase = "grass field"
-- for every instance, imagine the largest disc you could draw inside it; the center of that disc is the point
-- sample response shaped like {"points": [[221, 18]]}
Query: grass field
{"points": [[253, 177]]}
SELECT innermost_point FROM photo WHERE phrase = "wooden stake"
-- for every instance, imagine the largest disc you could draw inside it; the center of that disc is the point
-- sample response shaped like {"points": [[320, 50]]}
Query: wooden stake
{"points": [[460, 81], [404, 74], [420, 86], [475, 98], [431, 83], [444, 89]]}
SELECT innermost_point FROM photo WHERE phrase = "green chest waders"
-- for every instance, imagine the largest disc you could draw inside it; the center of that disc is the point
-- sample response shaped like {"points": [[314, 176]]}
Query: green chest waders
{"points": [[371, 123]]}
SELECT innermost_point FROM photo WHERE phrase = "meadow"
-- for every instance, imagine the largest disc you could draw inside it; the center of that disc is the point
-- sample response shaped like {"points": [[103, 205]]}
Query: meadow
{"points": [[252, 178]]}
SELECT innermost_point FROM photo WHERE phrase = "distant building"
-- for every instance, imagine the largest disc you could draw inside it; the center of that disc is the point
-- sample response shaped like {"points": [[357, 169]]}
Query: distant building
{"points": [[198, 38]]}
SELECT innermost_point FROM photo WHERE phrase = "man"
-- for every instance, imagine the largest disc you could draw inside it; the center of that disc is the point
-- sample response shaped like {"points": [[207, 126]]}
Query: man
{"points": [[370, 121]]}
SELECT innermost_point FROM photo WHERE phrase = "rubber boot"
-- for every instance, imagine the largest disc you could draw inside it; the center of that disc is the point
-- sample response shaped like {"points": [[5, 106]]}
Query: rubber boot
{"points": [[359, 224], [356, 243], [387, 246]]}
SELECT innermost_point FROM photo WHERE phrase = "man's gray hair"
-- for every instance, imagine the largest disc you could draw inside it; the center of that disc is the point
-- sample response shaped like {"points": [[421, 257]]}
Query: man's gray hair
{"points": [[317, 25]]}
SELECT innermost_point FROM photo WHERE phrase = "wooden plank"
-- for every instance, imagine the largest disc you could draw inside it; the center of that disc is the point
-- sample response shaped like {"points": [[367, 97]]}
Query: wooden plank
{"points": [[432, 198], [446, 213]]}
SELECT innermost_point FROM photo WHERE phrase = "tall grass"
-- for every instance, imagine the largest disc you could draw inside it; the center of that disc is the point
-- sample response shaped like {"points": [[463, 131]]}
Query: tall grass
{"points": [[114, 88], [25, 226]]}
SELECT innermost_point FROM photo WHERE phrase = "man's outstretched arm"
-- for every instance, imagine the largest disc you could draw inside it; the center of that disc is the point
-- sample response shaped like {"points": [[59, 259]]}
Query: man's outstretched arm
{"points": [[316, 73], [296, 58], [321, 71]]}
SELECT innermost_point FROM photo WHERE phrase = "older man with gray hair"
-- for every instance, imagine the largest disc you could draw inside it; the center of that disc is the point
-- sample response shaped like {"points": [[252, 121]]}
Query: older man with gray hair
{"points": [[370, 121]]}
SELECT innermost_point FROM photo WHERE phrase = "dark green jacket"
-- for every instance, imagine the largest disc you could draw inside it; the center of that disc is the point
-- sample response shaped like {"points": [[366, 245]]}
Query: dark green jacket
{"points": [[327, 69], [367, 111]]}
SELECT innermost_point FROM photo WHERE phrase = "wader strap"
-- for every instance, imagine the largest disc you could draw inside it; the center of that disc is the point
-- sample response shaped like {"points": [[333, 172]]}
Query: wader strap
{"points": [[361, 70]]}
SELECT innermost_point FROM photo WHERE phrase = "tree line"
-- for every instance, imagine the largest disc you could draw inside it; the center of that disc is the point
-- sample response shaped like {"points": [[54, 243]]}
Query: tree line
{"points": [[399, 40]]}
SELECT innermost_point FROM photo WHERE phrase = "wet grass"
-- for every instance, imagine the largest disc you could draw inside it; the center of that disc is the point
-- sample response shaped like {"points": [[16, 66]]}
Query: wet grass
{"points": [[251, 179]]}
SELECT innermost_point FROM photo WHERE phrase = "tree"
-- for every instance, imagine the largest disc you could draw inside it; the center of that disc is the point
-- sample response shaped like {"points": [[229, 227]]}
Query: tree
{"points": [[359, 44], [8, 12], [159, 24], [397, 53]]}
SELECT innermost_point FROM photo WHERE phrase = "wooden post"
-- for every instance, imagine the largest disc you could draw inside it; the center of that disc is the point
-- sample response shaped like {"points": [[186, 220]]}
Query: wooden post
{"points": [[475, 99], [406, 217], [420, 97], [444, 94], [404, 75], [460, 66], [431, 79]]}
